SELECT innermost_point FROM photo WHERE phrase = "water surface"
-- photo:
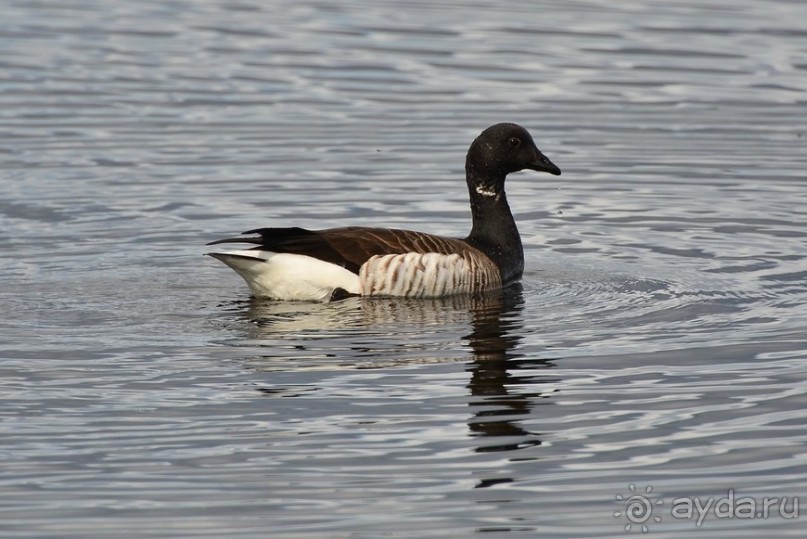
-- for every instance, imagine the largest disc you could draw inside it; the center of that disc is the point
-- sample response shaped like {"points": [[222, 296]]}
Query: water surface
{"points": [[657, 340]]}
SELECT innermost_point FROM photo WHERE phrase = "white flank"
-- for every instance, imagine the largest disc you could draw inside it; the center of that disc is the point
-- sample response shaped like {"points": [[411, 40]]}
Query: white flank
{"points": [[289, 276], [416, 275]]}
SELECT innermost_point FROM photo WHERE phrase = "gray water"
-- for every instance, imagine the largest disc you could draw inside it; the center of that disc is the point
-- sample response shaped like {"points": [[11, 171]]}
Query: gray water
{"points": [[657, 347]]}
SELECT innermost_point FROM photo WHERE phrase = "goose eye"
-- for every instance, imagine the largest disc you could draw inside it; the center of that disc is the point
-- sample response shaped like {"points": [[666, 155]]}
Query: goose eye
{"points": [[515, 142]]}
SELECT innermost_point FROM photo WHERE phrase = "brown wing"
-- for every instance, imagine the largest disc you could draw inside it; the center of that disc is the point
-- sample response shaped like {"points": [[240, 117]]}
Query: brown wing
{"points": [[349, 247], [358, 244]]}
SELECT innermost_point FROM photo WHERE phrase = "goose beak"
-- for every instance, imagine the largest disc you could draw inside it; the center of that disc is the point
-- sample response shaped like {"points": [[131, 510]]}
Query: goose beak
{"points": [[541, 163]]}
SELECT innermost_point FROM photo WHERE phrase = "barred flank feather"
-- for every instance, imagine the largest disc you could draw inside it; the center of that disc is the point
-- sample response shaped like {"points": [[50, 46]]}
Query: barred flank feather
{"points": [[427, 275]]}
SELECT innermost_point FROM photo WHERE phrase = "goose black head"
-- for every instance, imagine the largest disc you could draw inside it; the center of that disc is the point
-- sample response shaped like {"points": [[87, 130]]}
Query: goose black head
{"points": [[498, 151]]}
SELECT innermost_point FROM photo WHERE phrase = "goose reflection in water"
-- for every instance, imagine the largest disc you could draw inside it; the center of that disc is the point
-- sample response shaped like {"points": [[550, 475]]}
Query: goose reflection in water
{"points": [[497, 331], [375, 333]]}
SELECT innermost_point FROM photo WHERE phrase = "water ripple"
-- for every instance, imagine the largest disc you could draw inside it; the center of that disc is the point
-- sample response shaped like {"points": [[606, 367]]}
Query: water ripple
{"points": [[657, 337]]}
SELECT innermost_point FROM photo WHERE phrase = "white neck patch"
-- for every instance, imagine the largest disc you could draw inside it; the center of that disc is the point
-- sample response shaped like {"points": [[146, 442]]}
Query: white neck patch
{"points": [[485, 192]]}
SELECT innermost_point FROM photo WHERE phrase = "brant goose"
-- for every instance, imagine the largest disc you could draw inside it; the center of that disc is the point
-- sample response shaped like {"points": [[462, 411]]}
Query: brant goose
{"points": [[322, 265]]}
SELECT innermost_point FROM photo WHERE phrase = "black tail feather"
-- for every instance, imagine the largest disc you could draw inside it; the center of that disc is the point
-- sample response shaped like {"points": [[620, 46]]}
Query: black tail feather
{"points": [[292, 240], [257, 240]]}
